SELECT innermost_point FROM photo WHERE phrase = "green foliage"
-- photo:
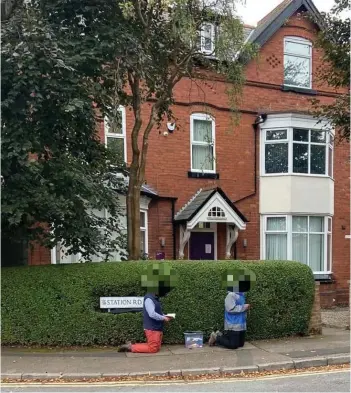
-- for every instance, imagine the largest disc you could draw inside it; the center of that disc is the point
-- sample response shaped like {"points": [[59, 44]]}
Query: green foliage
{"points": [[59, 304], [59, 58], [334, 40], [56, 171]]}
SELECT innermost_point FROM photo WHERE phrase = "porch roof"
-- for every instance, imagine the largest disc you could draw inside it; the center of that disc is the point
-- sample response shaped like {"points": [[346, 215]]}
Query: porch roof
{"points": [[199, 206]]}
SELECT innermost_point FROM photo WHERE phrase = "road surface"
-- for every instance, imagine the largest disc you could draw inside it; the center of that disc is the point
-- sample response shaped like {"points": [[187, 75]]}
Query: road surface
{"points": [[335, 381]]}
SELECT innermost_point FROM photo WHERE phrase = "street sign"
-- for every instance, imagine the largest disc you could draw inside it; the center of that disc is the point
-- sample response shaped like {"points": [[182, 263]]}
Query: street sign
{"points": [[132, 302]]}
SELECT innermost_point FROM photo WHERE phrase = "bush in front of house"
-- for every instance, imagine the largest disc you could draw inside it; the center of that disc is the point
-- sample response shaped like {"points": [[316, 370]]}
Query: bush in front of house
{"points": [[59, 304]]}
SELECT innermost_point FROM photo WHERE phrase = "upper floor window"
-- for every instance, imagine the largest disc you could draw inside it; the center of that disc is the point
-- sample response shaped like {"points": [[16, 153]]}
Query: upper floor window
{"points": [[202, 131], [115, 133], [207, 38], [297, 62], [298, 150]]}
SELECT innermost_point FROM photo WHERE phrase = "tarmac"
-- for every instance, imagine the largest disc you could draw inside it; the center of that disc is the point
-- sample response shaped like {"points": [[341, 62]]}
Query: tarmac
{"points": [[330, 348]]}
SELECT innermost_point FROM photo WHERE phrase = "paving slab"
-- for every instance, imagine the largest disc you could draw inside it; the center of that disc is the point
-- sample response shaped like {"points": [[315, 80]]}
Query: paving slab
{"points": [[333, 339], [163, 352], [318, 352], [205, 349]]}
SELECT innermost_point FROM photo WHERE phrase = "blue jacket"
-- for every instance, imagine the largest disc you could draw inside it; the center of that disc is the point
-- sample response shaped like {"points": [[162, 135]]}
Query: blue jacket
{"points": [[234, 315], [150, 323]]}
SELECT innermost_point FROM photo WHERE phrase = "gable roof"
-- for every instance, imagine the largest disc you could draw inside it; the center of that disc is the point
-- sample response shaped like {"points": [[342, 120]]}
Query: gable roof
{"points": [[199, 200], [273, 21], [148, 190]]}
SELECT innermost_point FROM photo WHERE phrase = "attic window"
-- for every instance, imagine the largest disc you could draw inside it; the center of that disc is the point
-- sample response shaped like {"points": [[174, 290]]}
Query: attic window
{"points": [[297, 62], [216, 212]]}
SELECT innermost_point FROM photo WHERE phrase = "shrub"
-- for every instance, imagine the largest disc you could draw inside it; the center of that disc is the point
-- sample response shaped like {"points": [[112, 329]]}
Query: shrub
{"points": [[59, 304]]}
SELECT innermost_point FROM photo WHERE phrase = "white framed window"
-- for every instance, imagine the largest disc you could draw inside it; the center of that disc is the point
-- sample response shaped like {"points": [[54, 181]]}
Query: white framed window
{"points": [[115, 133], [300, 151], [144, 232], [216, 212], [297, 62], [207, 38], [302, 238], [202, 134]]}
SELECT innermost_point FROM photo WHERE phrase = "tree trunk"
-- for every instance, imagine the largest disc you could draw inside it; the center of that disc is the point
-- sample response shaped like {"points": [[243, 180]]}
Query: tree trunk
{"points": [[133, 215]]}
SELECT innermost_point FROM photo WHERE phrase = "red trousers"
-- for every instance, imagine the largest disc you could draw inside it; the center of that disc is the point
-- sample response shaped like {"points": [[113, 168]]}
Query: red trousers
{"points": [[152, 345]]}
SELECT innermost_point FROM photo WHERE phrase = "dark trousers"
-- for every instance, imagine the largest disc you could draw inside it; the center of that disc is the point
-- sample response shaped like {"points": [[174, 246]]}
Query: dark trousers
{"points": [[231, 340]]}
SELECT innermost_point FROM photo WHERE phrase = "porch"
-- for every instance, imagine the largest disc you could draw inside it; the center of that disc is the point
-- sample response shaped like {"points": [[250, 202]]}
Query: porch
{"points": [[209, 226]]}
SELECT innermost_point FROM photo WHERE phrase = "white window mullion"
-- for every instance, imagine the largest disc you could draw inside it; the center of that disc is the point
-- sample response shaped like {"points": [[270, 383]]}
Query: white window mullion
{"points": [[309, 152], [308, 241], [291, 150], [289, 237]]}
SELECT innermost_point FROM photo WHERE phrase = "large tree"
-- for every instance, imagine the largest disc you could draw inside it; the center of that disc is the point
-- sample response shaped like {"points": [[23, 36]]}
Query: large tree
{"points": [[334, 40], [56, 174]]}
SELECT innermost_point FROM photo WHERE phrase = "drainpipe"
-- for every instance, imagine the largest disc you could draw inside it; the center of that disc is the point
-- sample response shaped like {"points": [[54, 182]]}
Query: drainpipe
{"points": [[173, 201], [260, 119], [174, 231]]}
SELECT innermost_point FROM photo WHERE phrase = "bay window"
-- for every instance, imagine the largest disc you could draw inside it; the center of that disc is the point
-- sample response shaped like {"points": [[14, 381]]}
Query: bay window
{"points": [[202, 130], [306, 239], [299, 151]]}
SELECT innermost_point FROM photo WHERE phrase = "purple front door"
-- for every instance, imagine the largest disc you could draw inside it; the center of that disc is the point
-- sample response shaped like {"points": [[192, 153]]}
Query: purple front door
{"points": [[201, 246]]}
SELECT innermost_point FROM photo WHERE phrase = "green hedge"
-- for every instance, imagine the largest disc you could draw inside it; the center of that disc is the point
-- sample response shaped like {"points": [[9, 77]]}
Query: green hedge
{"points": [[59, 304]]}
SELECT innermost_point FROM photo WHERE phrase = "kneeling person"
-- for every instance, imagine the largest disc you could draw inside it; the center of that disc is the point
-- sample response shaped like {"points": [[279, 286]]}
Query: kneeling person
{"points": [[153, 317], [238, 282]]}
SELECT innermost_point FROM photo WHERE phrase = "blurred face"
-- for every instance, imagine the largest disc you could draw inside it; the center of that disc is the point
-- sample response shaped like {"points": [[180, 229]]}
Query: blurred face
{"points": [[159, 278], [163, 290], [239, 280]]}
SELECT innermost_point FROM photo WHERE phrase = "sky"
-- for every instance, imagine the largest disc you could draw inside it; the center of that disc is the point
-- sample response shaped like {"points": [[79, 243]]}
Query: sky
{"points": [[254, 10]]}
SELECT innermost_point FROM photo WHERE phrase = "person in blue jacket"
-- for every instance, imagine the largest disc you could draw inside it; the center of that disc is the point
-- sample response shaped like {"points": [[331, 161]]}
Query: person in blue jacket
{"points": [[238, 283]]}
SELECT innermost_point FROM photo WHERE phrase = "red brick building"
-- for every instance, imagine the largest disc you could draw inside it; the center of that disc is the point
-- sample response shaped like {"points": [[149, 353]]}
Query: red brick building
{"points": [[275, 186]]}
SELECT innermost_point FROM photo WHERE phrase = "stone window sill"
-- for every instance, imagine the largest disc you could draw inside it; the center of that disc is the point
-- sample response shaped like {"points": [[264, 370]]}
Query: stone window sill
{"points": [[299, 90], [203, 175]]}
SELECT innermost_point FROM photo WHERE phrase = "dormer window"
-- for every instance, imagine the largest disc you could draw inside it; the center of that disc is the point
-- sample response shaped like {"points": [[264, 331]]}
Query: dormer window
{"points": [[297, 62], [207, 38]]}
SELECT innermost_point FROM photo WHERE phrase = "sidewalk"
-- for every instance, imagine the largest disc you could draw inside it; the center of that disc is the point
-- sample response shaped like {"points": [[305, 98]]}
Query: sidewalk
{"points": [[333, 347]]}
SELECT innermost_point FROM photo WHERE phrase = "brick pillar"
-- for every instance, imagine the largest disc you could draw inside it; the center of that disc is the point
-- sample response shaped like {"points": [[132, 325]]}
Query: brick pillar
{"points": [[315, 326], [348, 325]]}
